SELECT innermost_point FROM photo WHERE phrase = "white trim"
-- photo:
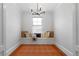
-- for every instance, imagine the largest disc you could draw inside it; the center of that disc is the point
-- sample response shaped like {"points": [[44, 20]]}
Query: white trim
{"points": [[4, 27], [75, 28], [37, 43], [9, 51], [66, 51]]}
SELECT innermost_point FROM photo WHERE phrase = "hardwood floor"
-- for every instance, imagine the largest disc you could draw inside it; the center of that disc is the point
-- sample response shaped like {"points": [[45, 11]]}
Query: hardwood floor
{"points": [[37, 50]]}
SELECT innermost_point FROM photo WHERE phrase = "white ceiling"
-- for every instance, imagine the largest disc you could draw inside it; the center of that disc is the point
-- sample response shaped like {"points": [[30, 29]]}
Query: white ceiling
{"points": [[45, 6]]}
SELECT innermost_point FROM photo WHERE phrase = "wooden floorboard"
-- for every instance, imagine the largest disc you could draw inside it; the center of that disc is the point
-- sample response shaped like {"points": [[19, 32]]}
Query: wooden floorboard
{"points": [[37, 50]]}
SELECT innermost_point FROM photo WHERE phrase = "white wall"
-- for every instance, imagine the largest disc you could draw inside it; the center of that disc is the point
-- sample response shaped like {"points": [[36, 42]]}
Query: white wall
{"points": [[38, 41], [47, 21], [12, 18], [64, 27]]}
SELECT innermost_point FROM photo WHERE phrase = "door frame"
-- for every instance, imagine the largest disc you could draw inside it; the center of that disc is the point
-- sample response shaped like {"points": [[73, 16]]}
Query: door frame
{"points": [[4, 26], [75, 28]]}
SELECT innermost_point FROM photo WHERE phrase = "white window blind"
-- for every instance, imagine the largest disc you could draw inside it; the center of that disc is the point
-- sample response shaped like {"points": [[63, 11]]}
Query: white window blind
{"points": [[37, 25]]}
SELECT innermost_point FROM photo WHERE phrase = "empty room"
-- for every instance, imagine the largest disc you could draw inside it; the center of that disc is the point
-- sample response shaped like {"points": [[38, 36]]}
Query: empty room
{"points": [[39, 29]]}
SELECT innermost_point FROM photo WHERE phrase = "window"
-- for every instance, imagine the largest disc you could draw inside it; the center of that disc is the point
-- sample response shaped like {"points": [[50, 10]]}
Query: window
{"points": [[37, 21], [37, 25]]}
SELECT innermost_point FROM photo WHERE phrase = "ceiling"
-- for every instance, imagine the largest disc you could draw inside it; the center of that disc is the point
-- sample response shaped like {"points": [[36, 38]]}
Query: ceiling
{"points": [[45, 6]]}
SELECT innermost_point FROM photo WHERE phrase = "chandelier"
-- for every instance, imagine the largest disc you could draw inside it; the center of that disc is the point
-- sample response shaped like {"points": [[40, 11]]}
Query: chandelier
{"points": [[38, 11]]}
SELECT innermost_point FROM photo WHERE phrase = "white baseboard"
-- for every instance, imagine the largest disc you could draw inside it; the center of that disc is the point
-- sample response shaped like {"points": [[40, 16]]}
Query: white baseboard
{"points": [[37, 43], [66, 51], [9, 51]]}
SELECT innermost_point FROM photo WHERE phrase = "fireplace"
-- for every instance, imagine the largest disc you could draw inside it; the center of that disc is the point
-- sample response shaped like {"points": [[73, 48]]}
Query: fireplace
{"points": [[38, 35]]}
